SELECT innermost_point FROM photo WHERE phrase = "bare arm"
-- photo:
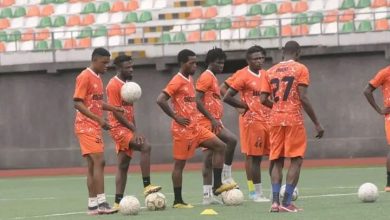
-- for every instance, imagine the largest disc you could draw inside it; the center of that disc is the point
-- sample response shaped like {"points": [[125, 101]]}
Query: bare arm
{"points": [[264, 98], [216, 125], [223, 89], [229, 99], [121, 118], [368, 92], [111, 108], [309, 110], [79, 105], [162, 101]]}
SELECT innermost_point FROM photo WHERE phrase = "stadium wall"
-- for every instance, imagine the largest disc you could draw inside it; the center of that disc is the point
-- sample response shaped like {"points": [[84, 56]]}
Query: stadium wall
{"points": [[37, 115]]}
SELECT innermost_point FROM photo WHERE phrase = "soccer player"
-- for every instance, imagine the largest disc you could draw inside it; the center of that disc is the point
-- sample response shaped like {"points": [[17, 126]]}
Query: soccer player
{"points": [[382, 78], [255, 128], [186, 131], [88, 100], [208, 100], [287, 83], [124, 132]]}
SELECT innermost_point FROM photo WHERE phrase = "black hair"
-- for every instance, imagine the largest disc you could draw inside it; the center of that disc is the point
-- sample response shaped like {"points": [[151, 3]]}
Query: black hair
{"points": [[182, 56], [254, 49], [100, 51], [215, 54], [121, 58], [291, 47]]}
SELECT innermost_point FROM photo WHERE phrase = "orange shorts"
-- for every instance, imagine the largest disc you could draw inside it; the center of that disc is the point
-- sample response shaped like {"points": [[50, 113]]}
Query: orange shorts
{"points": [[122, 137], [288, 141], [184, 145], [255, 136], [243, 147], [207, 124], [90, 143]]}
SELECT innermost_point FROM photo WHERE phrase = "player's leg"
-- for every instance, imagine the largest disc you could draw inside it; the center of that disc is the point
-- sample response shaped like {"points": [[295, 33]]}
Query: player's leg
{"points": [[248, 172], [277, 135], [387, 188], [123, 162], [145, 149], [207, 173], [92, 200], [177, 180], [231, 141]]}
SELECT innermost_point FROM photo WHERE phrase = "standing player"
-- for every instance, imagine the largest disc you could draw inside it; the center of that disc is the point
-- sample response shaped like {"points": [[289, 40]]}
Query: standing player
{"points": [[255, 133], [382, 78], [208, 100], [186, 132], [124, 132], [288, 82], [88, 100]]}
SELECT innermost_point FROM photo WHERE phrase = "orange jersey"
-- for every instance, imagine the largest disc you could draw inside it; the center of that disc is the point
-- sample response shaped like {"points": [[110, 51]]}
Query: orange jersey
{"points": [[282, 80], [114, 98], [248, 84], [208, 84], [382, 78], [182, 93], [89, 88]]}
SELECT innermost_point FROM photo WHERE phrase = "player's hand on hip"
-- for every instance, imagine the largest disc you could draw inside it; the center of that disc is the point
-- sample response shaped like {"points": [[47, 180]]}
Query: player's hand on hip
{"points": [[216, 126], [240, 110], [139, 139], [385, 111], [320, 131], [182, 121]]}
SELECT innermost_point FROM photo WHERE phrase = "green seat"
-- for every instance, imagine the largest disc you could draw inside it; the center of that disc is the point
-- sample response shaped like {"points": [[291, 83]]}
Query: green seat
{"points": [[255, 10], [209, 25], [131, 18], [363, 4], [315, 18], [254, 33], [6, 13], [59, 21], [60, 1], [45, 22], [225, 2], [104, 7], [224, 23], [300, 19], [365, 26], [14, 36], [211, 2], [165, 38], [42, 45], [179, 38], [270, 8], [89, 8], [100, 31], [86, 32], [270, 32], [3, 36], [145, 16], [45, 2], [348, 27], [19, 12], [347, 4], [56, 44]]}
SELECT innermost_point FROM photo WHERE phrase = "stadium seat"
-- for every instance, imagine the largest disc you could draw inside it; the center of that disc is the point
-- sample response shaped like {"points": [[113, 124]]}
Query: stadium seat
{"points": [[6, 13], [103, 8], [146, 5], [179, 38], [115, 30], [382, 25], [379, 3], [43, 34], [252, 1], [316, 5], [209, 25], [100, 31], [31, 22], [270, 32], [364, 14], [300, 19], [19, 12], [59, 21], [224, 23], [3, 36], [315, 29], [47, 10], [145, 16], [75, 8], [132, 5], [330, 28], [286, 19], [61, 9], [130, 29], [347, 4], [239, 22], [285, 7], [115, 41], [240, 10], [89, 8], [99, 41], [56, 44], [331, 16], [28, 35], [159, 4], [85, 32], [14, 36], [27, 45], [118, 6], [240, 33], [60, 2], [193, 36], [73, 20], [210, 12], [301, 30], [7, 3], [270, 8], [365, 26], [254, 33], [196, 13], [33, 11], [363, 4], [209, 36], [70, 43], [315, 18], [238, 2], [225, 11], [116, 18], [2, 47], [131, 18], [165, 38], [88, 20], [255, 10], [301, 7], [348, 27], [11, 46], [210, 3], [287, 30], [348, 15], [225, 2], [46, 2], [45, 22], [42, 45], [253, 22], [102, 18], [331, 5], [17, 23], [4, 23]]}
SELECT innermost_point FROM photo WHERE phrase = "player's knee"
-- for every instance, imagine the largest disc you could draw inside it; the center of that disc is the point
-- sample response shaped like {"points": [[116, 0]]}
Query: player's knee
{"points": [[102, 163], [221, 146], [123, 166], [146, 148], [297, 161]]}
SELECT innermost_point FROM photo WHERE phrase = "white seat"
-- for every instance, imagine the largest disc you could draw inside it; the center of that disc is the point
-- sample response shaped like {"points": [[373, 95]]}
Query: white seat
{"points": [[115, 41], [61, 9], [99, 41], [240, 33], [60, 33], [270, 20], [316, 5], [10, 46], [286, 19], [146, 5], [330, 28], [193, 25], [226, 34], [158, 4], [17, 22], [116, 18], [363, 14], [332, 4], [177, 27], [380, 13], [103, 18], [225, 11], [34, 2], [240, 10], [315, 29], [21, 3], [31, 22], [75, 8], [27, 45]]}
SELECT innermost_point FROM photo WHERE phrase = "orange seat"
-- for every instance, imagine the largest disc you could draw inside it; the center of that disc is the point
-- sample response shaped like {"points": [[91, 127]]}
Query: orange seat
{"points": [[4, 23], [6, 3], [379, 3], [331, 16], [287, 30], [70, 43], [301, 7], [301, 30], [118, 6], [2, 47], [195, 13], [88, 20], [252, 1], [253, 22], [130, 29], [28, 35], [132, 5], [348, 15], [33, 11], [85, 1], [209, 36], [193, 36], [211, 12], [73, 20], [285, 7], [43, 35], [239, 22], [238, 2], [84, 43], [47, 10], [382, 25], [115, 30], [72, 1]]}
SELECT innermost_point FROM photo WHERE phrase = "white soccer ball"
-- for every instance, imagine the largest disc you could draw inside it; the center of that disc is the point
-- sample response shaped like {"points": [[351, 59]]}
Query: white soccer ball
{"points": [[368, 192], [283, 189], [233, 197], [131, 92], [129, 205], [155, 201]]}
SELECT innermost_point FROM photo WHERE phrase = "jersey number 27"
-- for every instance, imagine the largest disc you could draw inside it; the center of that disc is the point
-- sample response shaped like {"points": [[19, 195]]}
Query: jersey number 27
{"points": [[289, 80]]}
